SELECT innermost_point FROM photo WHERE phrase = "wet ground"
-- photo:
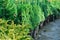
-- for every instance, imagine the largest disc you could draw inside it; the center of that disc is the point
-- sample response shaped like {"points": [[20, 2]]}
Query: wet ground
{"points": [[51, 31]]}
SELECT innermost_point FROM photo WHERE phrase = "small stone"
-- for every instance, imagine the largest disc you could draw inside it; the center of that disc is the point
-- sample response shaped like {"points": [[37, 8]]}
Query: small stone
{"points": [[39, 35], [44, 30]]}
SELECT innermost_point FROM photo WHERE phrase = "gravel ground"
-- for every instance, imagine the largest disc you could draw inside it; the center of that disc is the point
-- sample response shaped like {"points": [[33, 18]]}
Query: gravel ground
{"points": [[51, 31]]}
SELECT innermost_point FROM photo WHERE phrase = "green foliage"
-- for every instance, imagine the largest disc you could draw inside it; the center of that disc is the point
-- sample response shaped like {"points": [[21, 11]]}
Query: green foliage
{"points": [[12, 8], [36, 15], [26, 14], [56, 6], [55, 3]]}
